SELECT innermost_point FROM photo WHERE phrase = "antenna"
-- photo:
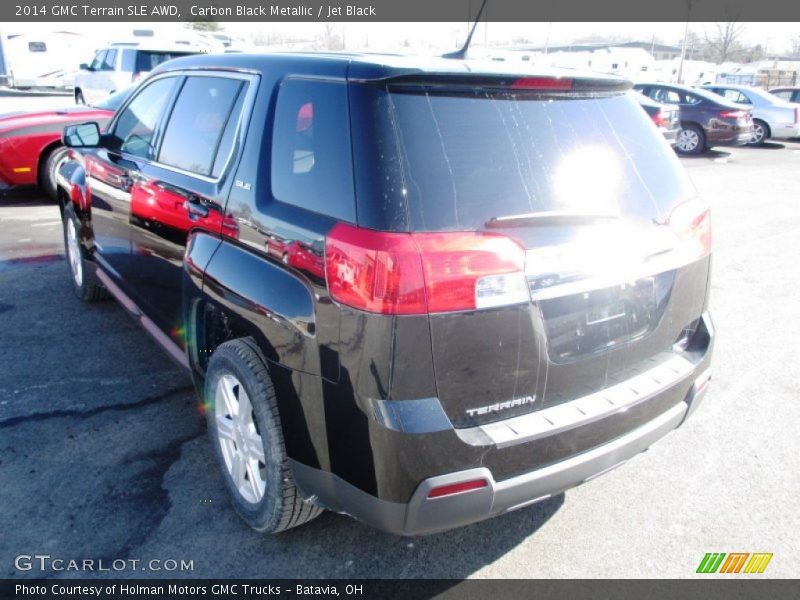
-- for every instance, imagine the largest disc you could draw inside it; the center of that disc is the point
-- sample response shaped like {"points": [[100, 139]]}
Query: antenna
{"points": [[462, 52]]}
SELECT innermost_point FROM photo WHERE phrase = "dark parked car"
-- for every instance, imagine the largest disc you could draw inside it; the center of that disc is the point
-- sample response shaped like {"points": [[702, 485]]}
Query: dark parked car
{"points": [[707, 120], [665, 116], [504, 291]]}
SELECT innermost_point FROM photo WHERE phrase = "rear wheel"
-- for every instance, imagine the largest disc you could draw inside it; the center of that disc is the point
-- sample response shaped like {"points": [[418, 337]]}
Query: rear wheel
{"points": [[49, 170], [691, 140], [83, 282], [760, 133], [245, 430]]}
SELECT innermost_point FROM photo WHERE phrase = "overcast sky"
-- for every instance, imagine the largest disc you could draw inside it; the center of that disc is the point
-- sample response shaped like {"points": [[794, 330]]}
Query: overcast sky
{"points": [[389, 36]]}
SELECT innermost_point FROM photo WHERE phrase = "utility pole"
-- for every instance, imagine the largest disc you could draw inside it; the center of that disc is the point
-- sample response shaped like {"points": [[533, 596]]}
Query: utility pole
{"points": [[683, 50], [685, 38]]}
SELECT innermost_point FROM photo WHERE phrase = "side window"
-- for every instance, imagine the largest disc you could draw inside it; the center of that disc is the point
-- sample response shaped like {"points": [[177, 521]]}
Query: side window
{"points": [[312, 165], [783, 95], [128, 61], [198, 123], [97, 61], [666, 96], [742, 99], [109, 63], [135, 127], [691, 99]]}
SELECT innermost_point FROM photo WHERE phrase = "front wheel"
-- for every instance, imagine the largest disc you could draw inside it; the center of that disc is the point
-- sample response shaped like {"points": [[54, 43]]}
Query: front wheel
{"points": [[83, 282], [691, 140], [245, 430]]}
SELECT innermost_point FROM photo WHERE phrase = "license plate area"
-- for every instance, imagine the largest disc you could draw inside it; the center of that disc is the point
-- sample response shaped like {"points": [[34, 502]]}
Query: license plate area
{"points": [[590, 322]]}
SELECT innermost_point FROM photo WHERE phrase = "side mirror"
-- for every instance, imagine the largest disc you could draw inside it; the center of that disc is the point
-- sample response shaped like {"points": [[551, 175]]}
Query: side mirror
{"points": [[84, 135], [84, 67]]}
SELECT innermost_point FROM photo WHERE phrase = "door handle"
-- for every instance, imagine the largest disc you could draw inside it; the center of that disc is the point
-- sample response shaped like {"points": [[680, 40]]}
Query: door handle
{"points": [[195, 207]]}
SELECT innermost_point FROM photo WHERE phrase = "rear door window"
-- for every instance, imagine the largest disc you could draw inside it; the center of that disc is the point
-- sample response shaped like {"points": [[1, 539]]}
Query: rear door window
{"points": [[455, 161], [665, 95], [733, 95], [311, 155], [198, 122]]}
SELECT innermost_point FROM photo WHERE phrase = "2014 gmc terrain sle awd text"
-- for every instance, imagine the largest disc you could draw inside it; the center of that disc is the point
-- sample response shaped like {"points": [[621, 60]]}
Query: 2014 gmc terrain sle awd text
{"points": [[420, 292]]}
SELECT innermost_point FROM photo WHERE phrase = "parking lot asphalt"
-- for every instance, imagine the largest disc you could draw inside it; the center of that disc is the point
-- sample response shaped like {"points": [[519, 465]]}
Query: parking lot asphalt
{"points": [[103, 452]]}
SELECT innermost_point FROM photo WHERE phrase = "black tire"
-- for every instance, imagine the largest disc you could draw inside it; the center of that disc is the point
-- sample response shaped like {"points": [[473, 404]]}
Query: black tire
{"points": [[79, 99], [281, 507], [761, 133], [48, 170], [84, 284], [690, 133]]}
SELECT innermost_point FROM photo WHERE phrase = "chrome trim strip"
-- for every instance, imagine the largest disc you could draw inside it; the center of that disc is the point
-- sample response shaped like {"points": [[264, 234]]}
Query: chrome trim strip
{"points": [[670, 370], [659, 263]]}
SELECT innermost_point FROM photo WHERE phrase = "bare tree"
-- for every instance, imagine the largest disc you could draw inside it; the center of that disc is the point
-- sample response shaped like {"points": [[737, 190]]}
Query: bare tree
{"points": [[724, 44], [331, 40]]}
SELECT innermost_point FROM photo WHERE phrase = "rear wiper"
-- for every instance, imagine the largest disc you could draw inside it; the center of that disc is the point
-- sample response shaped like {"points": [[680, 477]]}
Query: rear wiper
{"points": [[552, 217]]}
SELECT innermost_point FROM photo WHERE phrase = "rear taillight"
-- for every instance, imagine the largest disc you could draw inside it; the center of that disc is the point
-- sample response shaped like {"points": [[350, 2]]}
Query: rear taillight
{"points": [[542, 83], [797, 116], [418, 273], [691, 221], [660, 119], [734, 114]]}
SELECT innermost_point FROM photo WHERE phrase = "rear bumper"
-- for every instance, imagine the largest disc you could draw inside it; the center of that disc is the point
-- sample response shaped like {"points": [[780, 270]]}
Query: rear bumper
{"points": [[423, 514], [739, 137]]}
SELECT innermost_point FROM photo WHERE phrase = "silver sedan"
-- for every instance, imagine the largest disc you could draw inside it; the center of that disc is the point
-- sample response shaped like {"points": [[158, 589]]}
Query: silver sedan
{"points": [[772, 116]]}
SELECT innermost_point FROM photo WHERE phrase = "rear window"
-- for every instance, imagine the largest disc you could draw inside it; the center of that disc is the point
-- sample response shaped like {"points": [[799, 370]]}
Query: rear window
{"points": [[432, 161]]}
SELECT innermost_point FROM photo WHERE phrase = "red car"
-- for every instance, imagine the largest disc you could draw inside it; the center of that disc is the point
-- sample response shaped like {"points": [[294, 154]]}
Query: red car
{"points": [[30, 142]]}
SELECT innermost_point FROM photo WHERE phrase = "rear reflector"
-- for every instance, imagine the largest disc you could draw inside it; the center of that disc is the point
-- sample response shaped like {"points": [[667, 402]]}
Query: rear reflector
{"points": [[457, 488], [691, 221], [418, 273], [542, 83]]}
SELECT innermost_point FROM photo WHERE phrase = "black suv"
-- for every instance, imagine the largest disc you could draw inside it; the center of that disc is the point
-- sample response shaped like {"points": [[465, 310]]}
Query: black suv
{"points": [[420, 293]]}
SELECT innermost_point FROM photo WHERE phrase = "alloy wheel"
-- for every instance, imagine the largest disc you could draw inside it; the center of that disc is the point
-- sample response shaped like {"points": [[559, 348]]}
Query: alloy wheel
{"points": [[758, 133], [688, 140], [239, 438]]}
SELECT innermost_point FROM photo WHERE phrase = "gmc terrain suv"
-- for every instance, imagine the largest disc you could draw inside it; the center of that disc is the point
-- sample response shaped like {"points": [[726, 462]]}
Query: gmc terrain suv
{"points": [[420, 293]]}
